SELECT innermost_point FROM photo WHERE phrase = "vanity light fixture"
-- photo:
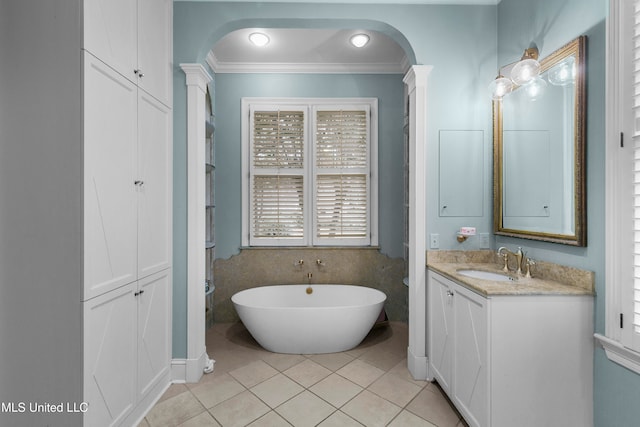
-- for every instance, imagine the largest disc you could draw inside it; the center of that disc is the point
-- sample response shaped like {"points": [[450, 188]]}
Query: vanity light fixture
{"points": [[527, 69], [564, 73], [523, 71], [259, 39], [535, 88], [500, 87], [359, 40]]}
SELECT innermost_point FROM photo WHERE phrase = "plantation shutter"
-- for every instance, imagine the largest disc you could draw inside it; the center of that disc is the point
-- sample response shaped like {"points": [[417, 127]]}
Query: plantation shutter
{"points": [[632, 128], [341, 176], [277, 176], [629, 184]]}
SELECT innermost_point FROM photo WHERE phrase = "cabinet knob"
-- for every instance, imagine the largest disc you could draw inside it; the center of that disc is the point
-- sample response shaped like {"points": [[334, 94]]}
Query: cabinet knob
{"points": [[138, 293], [138, 73], [138, 183], [449, 293]]}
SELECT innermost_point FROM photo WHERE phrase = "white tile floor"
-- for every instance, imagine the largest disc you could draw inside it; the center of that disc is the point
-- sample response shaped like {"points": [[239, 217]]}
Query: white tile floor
{"points": [[369, 385]]}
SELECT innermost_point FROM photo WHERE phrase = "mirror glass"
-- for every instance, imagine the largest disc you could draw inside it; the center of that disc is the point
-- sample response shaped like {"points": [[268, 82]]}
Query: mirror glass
{"points": [[538, 139]]}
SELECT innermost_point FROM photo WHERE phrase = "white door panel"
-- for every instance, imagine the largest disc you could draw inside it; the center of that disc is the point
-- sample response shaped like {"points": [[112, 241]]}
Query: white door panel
{"points": [[109, 350], [154, 195], [110, 223]]}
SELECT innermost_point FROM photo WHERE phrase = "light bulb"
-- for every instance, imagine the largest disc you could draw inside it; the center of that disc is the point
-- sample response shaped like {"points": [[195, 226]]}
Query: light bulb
{"points": [[563, 74], [525, 71], [535, 88], [500, 87]]}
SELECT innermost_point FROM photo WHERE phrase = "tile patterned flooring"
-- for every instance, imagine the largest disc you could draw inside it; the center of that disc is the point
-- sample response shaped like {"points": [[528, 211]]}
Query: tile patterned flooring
{"points": [[367, 386]]}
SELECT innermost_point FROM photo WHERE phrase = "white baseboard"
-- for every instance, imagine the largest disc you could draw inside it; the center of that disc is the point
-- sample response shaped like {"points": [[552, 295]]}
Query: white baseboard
{"points": [[188, 370], [418, 366], [143, 407]]}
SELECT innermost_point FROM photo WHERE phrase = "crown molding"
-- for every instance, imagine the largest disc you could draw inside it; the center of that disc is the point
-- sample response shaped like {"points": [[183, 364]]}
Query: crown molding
{"points": [[392, 2], [306, 68]]}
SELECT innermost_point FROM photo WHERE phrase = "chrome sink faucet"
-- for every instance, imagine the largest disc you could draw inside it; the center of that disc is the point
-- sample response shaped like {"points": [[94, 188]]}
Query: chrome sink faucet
{"points": [[520, 256]]}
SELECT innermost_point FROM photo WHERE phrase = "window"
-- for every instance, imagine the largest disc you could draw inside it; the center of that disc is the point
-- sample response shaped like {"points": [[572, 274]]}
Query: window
{"points": [[309, 172], [622, 340]]}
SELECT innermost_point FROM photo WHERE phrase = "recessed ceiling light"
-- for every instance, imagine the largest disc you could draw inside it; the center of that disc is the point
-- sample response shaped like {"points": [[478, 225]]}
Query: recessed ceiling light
{"points": [[359, 40], [259, 39]]}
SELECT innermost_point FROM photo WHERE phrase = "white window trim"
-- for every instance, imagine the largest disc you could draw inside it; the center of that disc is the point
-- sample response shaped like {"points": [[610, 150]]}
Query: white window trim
{"points": [[309, 103], [616, 258]]}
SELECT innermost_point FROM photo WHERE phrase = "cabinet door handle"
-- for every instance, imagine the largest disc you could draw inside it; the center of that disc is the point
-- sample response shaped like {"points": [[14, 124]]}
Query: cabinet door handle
{"points": [[138, 293], [138, 183], [138, 72], [449, 293]]}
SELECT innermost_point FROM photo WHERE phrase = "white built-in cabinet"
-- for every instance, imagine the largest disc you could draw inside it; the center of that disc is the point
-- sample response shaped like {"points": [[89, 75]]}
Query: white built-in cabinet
{"points": [[127, 350], [132, 37], [508, 360], [110, 196], [127, 207]]}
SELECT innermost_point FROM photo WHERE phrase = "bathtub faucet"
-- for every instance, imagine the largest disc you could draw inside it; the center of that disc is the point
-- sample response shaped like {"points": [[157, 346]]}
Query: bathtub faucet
{"points": [[299, 262], [309, 275], [319, 262]]}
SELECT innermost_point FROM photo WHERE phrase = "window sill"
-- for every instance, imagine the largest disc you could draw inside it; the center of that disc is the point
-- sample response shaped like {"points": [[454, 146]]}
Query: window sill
{"points": [[376, 247], [619, 354]]}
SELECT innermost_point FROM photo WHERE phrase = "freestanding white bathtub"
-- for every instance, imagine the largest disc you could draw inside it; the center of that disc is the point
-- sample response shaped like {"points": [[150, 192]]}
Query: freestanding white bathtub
{"points": [[309, 319]]}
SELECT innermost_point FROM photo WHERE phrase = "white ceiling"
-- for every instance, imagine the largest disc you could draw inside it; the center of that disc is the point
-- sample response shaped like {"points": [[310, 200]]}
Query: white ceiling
{"points": [[315, 50], [476, 2], [307, 51]]}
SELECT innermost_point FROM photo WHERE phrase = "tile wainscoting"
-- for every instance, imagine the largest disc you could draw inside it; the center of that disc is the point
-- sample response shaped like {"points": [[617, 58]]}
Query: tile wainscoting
{"points": [[275, 266]]}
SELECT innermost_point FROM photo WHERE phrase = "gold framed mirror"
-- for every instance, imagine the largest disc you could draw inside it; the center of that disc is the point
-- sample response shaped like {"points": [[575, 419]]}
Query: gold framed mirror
{"points": [[539, 153]]}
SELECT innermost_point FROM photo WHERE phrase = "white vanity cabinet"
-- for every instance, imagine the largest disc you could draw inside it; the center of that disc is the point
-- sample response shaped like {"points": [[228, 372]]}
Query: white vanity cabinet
{"points": [[470, 386], [511, 360], [440, 329], [133, 37], [458, 347]]}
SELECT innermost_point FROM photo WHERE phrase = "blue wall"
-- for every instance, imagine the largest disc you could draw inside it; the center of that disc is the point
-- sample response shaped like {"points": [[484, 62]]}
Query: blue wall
{"points": [[230, 88], [458, 41], [550, 24], [465, 44]]}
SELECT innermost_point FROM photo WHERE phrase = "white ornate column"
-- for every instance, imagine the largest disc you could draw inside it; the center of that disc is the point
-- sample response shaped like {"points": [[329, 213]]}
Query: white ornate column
{"points": [[197, 78], [416, 81]]}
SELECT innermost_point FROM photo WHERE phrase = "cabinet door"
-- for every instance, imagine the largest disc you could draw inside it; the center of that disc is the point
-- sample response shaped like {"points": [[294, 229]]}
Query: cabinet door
{"points": [[110, 33], [110, 223], [470, 356], [154, 192], [109, 355], [440, 329], [154, 47], [154, 330]]}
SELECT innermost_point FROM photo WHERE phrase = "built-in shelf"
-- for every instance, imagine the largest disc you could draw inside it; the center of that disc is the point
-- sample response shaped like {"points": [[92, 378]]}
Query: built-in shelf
{"points": [[209, 128], [209, 210]]}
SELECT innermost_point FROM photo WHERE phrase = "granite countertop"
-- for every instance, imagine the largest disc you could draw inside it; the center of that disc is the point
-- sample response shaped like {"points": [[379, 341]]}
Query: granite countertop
{"points": [[549, 279]]}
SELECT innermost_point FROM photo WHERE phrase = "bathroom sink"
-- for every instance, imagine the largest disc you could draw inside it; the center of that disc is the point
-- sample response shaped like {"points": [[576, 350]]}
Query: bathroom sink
{"points": [[486, 275]]}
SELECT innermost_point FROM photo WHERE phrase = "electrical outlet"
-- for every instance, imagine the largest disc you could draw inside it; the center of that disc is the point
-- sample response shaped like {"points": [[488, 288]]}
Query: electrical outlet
{"points": [[434, 241], [485, 243]]}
